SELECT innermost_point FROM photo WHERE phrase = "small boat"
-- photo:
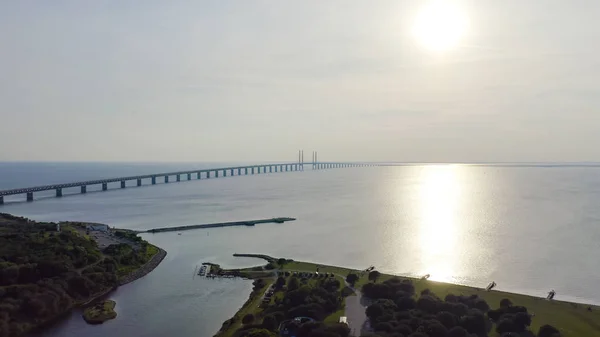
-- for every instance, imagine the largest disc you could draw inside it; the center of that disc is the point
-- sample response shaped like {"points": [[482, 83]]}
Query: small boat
{"points": [[490, 286], [551, 295], [178, 233], [425, 277]]}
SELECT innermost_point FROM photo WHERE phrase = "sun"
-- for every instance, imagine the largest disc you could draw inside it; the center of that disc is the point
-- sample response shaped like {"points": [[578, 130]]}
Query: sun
{"points": [[440, 25]]}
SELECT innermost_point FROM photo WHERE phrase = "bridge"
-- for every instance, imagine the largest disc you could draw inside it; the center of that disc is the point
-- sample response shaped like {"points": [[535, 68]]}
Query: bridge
{"points": [[188, 175]]}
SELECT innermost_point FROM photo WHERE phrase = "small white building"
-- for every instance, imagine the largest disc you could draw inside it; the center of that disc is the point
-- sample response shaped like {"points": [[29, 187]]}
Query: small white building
{"points": [[97, 228], [344, 320]]}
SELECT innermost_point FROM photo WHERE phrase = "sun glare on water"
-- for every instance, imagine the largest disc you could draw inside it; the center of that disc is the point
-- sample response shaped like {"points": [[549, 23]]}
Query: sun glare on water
{"points": [[440, 25]]}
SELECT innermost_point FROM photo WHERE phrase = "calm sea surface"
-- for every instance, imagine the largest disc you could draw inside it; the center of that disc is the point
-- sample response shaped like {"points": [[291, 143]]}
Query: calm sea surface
{"points": [[529, 228]]}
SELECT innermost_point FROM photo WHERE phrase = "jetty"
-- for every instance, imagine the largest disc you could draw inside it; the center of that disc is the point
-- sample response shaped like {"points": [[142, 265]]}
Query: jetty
{"points": [[219, 224]]}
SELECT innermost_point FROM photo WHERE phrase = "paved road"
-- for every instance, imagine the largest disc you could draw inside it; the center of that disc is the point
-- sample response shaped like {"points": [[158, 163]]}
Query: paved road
{"points": [[355, 314]]}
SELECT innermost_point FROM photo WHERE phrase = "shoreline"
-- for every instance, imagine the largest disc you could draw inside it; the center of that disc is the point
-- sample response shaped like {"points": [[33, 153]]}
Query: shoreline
{"points": [[145, 269], [529, 292]]}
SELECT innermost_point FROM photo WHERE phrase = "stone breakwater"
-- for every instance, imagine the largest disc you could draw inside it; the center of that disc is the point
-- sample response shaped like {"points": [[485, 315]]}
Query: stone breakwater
{"points": [[145, 269]]}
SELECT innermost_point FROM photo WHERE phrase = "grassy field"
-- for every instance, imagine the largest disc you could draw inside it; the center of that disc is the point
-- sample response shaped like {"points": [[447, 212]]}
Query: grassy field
{"points": [[573, 320]]}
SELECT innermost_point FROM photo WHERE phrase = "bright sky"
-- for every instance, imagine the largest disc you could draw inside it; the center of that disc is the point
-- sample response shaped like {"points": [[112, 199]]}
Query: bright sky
{"points": [[466, 81]]}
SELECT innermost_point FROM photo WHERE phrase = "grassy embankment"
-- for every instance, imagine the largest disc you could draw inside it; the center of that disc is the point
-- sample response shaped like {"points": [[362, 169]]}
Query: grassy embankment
{"points": [[100, 313], [572, 319]]}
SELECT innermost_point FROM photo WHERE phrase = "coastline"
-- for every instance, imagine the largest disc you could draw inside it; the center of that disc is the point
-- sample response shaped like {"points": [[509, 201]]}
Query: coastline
{"points": [[133, 276], [145, 269]]}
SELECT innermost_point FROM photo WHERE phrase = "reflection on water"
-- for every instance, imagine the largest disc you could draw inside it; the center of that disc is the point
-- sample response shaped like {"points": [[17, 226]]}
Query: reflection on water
{"points": [[440, 196]]}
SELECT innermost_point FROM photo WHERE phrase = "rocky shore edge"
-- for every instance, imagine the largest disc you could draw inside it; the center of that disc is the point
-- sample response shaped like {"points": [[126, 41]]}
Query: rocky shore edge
{"points": [[145, 269]]}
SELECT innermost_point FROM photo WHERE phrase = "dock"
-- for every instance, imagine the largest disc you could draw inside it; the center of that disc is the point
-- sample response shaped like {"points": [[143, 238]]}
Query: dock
{"points": [[219, 224]]}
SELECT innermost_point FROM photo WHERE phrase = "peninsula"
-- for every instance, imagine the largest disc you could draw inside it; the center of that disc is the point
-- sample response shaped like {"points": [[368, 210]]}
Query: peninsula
{"points": [[308, 299], [47, 269]]}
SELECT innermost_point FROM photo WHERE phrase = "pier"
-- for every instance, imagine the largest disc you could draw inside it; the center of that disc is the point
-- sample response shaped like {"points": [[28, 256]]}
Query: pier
{"points": [[219, 224], [181, 176]]}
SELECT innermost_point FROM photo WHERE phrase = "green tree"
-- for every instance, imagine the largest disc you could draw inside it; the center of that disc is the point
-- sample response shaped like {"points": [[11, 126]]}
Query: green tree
{"points": [[352, 279], [548, 331], [293, 284], [248, 319], [280, 282], [374, 311], [374, 275], [505, 303], [270, 322]]}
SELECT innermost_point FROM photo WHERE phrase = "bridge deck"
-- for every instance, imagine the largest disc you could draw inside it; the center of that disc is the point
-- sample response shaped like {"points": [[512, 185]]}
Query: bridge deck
{"points": [[111, 180]]}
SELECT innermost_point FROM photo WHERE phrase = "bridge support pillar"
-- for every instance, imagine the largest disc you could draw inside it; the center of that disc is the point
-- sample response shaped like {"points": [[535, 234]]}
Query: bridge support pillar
{"points": [[207, 174], [189, 176], [83, 189], [233, 174], [224, 173], [178, 177], [122, 183], [245, 170], [216, 173], [139, 182], [29, 196], [252, 170], [153, 180], [271, 169], [199, 175], [104, 186], [239, 171], [59, 192], [1, 200], [166, 179]]}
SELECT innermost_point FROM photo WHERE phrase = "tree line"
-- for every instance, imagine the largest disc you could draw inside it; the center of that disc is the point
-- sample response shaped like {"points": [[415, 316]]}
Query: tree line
{"points": [[398, 312]]}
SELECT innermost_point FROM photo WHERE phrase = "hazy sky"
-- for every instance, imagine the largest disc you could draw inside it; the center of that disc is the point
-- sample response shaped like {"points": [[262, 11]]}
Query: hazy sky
{"points": [[258, 80]]}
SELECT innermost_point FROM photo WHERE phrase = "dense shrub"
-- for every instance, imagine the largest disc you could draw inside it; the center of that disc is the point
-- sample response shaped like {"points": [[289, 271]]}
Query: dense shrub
{"points": [[248, 319], [548, 331], [505, 303]]}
